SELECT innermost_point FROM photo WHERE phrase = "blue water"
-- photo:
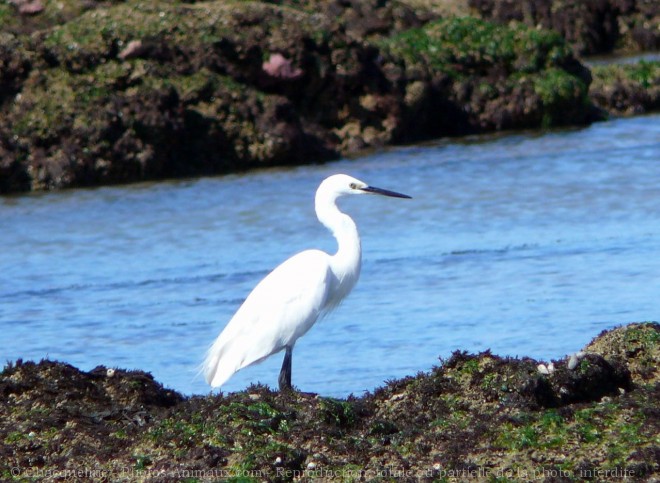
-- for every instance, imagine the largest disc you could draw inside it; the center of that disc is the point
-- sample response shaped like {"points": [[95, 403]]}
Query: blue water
{"points": [[527, 244]]}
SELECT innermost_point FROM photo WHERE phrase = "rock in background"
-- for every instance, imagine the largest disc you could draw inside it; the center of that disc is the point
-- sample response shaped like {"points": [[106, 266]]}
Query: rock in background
{"points": [[591, 26], [104, 92]]}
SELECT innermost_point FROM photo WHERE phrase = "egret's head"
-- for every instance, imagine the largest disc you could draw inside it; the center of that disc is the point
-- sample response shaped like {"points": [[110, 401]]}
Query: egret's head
{"points": [[342, 184]]}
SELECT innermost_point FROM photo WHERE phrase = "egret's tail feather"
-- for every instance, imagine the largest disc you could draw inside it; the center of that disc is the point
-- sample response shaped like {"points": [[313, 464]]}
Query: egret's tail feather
{"points": [[222, 362], [215, 368]]}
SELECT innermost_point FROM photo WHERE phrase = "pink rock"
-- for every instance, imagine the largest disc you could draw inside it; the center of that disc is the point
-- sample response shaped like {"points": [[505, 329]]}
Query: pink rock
{"points": [[132, 50], [280, 67], [29, 7]]}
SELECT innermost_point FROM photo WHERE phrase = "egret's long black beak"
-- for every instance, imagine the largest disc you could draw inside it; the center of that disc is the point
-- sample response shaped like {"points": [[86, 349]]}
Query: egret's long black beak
{"points": [[380, 191]]}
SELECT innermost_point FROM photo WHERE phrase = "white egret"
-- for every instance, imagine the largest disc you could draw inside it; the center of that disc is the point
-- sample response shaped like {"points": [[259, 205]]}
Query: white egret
{"points": [[289, 300]]}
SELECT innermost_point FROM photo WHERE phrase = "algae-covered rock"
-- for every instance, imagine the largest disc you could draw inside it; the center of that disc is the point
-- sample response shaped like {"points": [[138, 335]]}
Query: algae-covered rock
{"points": [[474, 75], [635, 345], [148, 89], [475, 417], [57, 416], [595, 27], [193, 99], [114, 92], [627, 89]]}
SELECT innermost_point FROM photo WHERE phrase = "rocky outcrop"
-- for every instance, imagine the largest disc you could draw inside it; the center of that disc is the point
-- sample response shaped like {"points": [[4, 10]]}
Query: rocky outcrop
{"points": [[626, 89], [140, 90], [475, 417], [147, 90], [591, 27]]}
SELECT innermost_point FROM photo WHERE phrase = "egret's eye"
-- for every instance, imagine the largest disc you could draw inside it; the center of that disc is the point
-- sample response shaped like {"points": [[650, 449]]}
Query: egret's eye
{"points": [[353, 186]]}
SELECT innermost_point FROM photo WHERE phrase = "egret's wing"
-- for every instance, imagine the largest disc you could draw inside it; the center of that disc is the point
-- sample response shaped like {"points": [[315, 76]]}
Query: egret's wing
{"points": [[280, 309]]}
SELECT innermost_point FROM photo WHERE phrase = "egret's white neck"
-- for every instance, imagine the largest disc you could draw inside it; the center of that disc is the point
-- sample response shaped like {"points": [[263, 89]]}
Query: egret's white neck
{"points": [[346, 263]]}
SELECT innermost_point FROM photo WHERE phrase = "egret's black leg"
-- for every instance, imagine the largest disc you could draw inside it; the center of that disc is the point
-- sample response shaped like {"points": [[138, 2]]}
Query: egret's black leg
{"points": [[285, 374]]}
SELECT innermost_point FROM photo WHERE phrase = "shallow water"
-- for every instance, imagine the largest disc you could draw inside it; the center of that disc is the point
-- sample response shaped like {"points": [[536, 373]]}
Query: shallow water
{"points": [[527, 244]]}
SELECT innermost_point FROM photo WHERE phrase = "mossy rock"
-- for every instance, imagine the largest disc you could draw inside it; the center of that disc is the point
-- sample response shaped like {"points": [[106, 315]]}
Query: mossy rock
{"points": [[472, 75], [15, 64], [192, 100], [636, 345], [561, 93], [590, 27], [465, 46], [177, 31], [472, 417], [627, 89], [53, 13], [144, 90]]}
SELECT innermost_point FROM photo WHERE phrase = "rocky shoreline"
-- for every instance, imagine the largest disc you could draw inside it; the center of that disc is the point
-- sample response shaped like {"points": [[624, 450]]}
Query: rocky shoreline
{"points": [[591, 416], [116, 92]]}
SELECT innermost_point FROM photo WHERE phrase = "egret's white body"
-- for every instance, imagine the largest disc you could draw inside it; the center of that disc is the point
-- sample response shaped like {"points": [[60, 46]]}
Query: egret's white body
{"points": [[287, 303]]}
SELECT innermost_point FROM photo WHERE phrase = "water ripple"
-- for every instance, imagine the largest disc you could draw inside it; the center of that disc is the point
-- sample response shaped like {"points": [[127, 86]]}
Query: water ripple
{"points": [[527, 244]]}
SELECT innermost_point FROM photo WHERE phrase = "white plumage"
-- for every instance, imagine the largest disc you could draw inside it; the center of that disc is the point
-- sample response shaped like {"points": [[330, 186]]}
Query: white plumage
{"points": [[290, 299]]}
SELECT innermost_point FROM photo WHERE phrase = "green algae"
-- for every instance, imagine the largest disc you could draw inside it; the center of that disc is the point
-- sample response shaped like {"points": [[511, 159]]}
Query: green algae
{"points": [[101, 95], [7, 15], [442, 425], [101, 34], [338, 413], [645, 73], [638, 346], [498, 62], [463, 46], [626, 89], [558, 91]]}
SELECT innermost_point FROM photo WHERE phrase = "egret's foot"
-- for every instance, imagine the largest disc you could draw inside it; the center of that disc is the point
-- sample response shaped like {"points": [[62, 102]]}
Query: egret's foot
{"points": [[285, 374]]}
